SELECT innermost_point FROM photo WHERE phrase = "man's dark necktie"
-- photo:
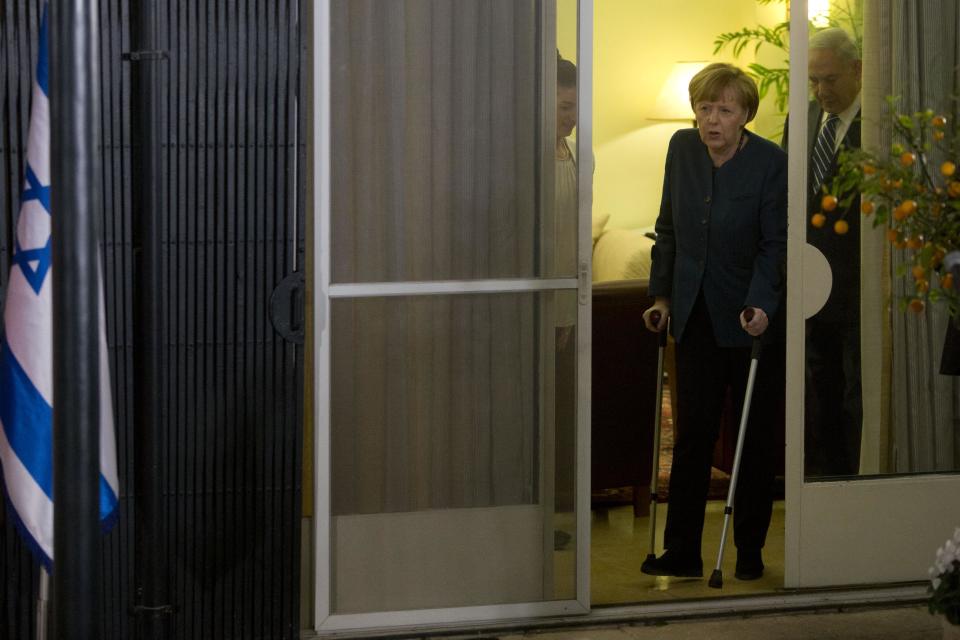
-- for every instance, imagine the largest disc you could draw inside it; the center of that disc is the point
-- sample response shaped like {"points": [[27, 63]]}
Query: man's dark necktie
{"points": [[823, 151]]}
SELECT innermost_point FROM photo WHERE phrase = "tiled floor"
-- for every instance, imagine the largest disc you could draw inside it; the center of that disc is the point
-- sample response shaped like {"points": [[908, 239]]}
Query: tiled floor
{"points": [[903, 623], [620, 543]]}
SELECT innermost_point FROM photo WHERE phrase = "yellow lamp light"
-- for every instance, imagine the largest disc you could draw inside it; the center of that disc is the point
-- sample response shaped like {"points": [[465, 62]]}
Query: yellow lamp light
{"points": [[818, 12], [673, 101]]}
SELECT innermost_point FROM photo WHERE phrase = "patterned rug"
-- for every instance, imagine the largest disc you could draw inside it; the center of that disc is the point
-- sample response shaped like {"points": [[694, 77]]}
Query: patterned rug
{"points": [[719, 480]]}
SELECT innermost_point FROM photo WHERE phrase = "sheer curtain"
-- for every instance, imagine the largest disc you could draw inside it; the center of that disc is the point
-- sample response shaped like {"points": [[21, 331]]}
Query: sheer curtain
{"points": [[437, 135], [911, 50]]}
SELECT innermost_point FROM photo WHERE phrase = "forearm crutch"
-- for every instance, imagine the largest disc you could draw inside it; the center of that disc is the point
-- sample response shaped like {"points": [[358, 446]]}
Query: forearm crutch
{"points": [[716, 578], [657, 414]]}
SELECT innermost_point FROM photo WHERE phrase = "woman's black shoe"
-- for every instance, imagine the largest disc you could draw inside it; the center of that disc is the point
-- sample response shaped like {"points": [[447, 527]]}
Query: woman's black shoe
{"points": [[673, 564], [749, 565]]}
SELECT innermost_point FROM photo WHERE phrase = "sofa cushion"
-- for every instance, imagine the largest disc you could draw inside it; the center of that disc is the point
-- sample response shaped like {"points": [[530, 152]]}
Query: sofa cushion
{"points": [[599, 223], [622, 254]]}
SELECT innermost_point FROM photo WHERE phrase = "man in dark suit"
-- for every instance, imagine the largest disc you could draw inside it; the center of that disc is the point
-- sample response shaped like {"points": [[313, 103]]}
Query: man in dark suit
{"points": [[834, 407]]}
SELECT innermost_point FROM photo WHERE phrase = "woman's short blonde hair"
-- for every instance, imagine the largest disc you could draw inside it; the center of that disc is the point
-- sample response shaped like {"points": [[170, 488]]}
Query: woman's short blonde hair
{"points": [[714, 80]]}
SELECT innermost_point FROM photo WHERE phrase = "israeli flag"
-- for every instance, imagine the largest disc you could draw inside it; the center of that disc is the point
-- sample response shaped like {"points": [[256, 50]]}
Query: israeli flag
{"points": [[26, 351]]}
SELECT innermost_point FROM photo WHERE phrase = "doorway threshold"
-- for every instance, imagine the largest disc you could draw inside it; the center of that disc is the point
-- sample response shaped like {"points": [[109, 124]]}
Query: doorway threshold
{"points": [[784, 601]]}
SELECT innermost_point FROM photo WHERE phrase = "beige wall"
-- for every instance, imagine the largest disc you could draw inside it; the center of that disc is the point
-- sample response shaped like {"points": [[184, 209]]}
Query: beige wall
{"points": [[635, 44]]}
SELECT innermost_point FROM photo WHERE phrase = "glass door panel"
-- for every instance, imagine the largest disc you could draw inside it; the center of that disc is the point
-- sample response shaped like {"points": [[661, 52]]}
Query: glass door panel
{"points": [[436, 129], [880, 449], [437, 495]]}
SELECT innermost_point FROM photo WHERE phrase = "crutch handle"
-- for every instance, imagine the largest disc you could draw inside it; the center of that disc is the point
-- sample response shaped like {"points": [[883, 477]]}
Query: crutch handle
{"points": [[655, 316], [748, 314]]}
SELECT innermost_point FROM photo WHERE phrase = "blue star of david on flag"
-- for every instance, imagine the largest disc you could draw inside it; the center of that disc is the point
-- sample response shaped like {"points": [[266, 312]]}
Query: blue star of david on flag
{"points": [[34, 262], [36, 191]]}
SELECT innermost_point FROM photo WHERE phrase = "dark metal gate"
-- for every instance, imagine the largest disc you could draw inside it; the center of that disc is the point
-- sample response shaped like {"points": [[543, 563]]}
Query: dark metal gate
{"points": [[232, 440]]}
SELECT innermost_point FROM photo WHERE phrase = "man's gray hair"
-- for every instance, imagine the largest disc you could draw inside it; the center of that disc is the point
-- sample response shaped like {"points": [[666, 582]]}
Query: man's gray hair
{"points": [[837, 40]]}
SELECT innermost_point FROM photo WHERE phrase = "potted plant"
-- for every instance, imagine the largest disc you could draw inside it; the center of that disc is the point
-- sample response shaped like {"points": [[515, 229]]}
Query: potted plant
{"points": [[913, 190], [777, 78], [945, 585]]}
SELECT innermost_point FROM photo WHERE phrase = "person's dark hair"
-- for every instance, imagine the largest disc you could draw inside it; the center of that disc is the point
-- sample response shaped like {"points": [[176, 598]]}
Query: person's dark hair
{"points": [[566, 73], [713, 81]]}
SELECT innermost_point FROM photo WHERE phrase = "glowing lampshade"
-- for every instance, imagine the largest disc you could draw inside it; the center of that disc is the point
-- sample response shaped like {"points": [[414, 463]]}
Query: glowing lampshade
{"points": [[818, 12], [673, 101]]}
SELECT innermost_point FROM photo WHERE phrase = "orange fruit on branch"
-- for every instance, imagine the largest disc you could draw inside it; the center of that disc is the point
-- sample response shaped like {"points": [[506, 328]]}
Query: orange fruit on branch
{"points": [[905, 209], [893, 235], [939, 121], [866, 207], [840, 227], [829, 202], [907, 158], [948, 168], [946, 281], [916, 305], [918, 272], [818, 220]]}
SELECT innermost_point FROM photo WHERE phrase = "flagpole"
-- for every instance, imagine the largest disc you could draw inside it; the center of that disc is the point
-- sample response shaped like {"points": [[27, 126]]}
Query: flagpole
{"points": [[152, 608], [43, 601], [76, 182]]}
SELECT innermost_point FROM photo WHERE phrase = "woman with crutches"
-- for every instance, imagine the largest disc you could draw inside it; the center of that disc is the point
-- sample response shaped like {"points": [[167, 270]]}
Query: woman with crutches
{"points": [[720, 250]]}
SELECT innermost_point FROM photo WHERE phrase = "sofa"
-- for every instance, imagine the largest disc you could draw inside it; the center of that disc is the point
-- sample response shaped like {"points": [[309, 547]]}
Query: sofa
{"points": [[624, 370], [624, 374]]}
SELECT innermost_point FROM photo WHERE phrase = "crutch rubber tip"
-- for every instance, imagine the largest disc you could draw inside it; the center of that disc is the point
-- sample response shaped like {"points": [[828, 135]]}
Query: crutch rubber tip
{"points": [[716, 579]]}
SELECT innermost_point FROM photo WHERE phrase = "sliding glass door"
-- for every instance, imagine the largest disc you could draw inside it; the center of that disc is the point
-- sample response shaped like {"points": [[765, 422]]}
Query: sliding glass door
{"points": [[873, 446], [453, 310]]}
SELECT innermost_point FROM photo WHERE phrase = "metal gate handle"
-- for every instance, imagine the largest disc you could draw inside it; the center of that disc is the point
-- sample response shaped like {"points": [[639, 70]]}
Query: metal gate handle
{"points": [[287, 307]]}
